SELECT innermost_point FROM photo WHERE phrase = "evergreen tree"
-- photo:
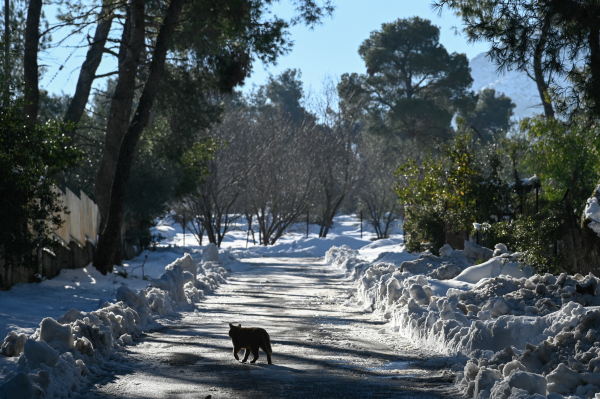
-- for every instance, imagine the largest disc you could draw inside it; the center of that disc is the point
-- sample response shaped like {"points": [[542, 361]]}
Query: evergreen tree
{"points": [[283, 94], [491, 116], [544, 38], [413, 85]]}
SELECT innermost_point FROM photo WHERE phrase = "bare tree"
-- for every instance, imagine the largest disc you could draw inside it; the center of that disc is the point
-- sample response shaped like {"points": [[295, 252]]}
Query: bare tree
{"points": [[195, 221], [335, 154], [376, 195], [279, 178], [214, 201]]}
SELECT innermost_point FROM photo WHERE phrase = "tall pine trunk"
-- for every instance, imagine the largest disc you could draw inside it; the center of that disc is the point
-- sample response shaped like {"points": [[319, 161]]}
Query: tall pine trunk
{"points": [[6, 70], [594, 44], [132, 43], [87, 74], [30, 61], [541, 83], [108, 243]]}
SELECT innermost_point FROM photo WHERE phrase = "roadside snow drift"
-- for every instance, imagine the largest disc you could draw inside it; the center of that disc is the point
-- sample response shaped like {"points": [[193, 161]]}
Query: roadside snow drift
{"points": [[525, 335], [58, 357]]}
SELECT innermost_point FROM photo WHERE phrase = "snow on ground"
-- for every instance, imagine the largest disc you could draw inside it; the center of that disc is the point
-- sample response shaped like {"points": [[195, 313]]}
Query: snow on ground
{"points": [[295, 243], [24, 305], [515, 334], [61, 330]]}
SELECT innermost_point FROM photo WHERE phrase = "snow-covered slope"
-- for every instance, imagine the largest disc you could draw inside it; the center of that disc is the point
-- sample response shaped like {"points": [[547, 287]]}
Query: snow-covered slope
{"points": [[517, 85]]}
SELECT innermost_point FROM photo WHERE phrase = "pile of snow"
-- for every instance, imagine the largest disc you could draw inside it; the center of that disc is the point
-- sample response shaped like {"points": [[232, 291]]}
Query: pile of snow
{"points": [[301, 247], [57, 359], [525, 335], [591, 213]]}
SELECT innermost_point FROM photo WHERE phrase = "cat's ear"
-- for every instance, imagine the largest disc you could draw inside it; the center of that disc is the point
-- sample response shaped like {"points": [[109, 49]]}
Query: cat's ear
{"points": [[239, 325], [230, 325]]}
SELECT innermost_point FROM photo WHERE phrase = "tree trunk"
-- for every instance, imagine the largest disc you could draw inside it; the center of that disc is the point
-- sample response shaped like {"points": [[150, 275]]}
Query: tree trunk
{"points": [[6, 51], [389, 221], [30, 61], [107, 244], [322, 229], [132, 43], [87, 74], [333, 211], [538, 72], [209, 227], [594, 45]]}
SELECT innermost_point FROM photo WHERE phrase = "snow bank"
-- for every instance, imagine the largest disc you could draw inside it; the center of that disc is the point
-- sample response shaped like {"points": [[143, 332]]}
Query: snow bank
{"points": [[591, 213], [301, 247], [493, 268], [57, 359], [525, 335]]}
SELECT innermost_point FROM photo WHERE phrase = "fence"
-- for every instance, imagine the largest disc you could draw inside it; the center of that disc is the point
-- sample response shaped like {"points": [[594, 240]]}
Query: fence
{"points": [[78, 233], [82, 221]]}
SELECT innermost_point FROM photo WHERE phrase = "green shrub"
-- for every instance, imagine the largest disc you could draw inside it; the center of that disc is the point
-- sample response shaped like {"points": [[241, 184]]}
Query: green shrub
{"points": [[538, 237], [460, 187], [31, 156]]}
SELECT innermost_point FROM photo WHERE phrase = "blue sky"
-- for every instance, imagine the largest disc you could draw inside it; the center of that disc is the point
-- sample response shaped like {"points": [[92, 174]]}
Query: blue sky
{"points": [[330, 49]]}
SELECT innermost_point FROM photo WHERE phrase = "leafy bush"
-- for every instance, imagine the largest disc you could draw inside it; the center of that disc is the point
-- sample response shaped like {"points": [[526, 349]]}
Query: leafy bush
{"points": [[423, 228], [31, 156], [538, 237], [461, 187], [566, 158]]}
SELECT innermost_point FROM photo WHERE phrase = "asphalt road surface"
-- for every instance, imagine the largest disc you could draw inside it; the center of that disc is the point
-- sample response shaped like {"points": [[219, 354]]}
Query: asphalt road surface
{"points": [[322, 348]]}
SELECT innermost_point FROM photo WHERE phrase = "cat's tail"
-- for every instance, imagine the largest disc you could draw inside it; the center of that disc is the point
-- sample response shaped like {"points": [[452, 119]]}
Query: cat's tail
{"points": [[267, 343]]}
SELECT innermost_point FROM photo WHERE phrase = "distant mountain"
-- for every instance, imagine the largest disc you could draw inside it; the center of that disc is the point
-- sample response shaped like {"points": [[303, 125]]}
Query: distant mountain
{"points": [[517, 85]]}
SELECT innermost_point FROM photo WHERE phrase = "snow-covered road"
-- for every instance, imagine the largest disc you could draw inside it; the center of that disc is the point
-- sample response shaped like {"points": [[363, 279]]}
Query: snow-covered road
{"points": [[321, 348]]}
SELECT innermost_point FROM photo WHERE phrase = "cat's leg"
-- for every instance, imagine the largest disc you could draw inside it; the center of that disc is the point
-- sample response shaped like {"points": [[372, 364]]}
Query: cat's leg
{"points": [[246, 354], [235, 352], [255, 353], [266, 353]]}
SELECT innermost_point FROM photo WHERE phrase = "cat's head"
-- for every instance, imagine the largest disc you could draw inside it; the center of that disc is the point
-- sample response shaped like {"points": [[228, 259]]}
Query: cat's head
{"points": [[233, 329]]}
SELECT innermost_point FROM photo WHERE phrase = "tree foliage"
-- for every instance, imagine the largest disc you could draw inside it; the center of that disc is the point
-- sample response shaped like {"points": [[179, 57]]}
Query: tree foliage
{"points": [[548, 37], [490, 119], [31, 156], [450, 193], [566, 158], [413, 85]]}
